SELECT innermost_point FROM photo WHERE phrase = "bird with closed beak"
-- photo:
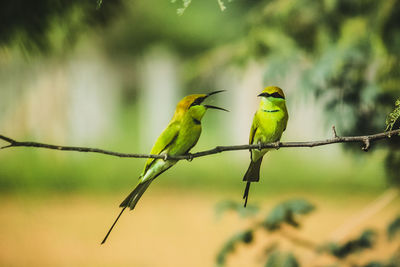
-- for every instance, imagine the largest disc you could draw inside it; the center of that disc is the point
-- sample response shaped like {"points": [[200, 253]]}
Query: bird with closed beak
{"points": [[180, 136], [269, 123]]}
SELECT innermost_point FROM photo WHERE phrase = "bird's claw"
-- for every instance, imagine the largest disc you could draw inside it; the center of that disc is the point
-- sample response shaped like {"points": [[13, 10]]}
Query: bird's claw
{"points": [[259, 146], [190, 157], [277, 145], [165, 157]]}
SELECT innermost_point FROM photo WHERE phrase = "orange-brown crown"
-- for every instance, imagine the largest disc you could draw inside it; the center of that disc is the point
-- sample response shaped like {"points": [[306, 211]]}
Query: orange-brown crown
{"points": [[186, 102]]}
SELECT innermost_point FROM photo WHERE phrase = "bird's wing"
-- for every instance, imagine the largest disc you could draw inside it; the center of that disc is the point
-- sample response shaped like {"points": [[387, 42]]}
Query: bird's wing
{"points": [[253, 133], [166, 138], [253, 130], [286, 120]]}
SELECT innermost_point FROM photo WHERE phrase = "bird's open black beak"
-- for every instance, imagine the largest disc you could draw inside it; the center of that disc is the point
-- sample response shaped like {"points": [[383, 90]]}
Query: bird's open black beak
{"points": [[215, 92], [214, 107]]}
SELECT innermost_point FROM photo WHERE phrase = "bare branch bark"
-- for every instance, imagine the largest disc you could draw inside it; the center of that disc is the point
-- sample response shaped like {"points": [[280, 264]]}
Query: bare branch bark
{"points": [[366, 141]]}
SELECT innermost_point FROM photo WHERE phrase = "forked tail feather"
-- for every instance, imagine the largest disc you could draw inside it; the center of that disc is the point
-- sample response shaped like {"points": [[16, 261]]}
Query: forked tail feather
{"points": [[252, 175], [130, 201]]}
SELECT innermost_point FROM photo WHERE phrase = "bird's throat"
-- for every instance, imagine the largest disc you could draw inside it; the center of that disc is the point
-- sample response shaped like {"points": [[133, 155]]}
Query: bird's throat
{"points": [[271, 106]]}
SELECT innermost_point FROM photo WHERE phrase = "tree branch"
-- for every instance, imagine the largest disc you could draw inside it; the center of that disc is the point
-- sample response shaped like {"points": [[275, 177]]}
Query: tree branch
{"points": [[366, 140]]}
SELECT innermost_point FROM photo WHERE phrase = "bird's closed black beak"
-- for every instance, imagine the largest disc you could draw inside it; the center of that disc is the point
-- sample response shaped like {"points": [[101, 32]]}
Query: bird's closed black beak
{"points": [[275, 95], [264, 94], [214, 107]]}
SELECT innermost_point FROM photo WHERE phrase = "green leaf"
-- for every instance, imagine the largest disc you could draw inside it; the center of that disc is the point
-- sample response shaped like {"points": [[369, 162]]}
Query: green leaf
{"points": [[381, 264], [182, 10], [99, 3], [290, 261], [221, 5], [375, 264], [286, 212], [243, 237], [364, 241], [229, 205], [393, 228], [393, 116], [395, 260], [273, 260], [277, 259]]}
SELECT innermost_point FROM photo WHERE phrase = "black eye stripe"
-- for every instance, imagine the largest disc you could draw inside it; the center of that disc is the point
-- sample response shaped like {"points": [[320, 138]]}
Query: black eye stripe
{"points": [[198, 101], [275, 95]]}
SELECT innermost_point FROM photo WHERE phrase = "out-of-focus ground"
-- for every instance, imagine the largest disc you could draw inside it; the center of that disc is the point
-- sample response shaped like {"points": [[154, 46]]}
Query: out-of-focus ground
{"points": [[168, 228]]}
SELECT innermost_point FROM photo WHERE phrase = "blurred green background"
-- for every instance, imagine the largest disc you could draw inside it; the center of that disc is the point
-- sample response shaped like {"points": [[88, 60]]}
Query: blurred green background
{"points": [[109, 74]]}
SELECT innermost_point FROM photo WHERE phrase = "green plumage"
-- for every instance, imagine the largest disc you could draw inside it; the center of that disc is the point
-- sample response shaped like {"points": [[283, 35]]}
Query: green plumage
{"points": [[177, 139], [269, 123], [181, 135]]}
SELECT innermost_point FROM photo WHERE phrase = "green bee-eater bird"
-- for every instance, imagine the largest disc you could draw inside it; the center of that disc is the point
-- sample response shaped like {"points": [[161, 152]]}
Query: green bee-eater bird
{"points": [[181, 135], [269, 122]]}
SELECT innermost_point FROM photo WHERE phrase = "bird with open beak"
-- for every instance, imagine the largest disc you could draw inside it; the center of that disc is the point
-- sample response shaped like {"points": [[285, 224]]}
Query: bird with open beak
{"points": [[180, 136]]}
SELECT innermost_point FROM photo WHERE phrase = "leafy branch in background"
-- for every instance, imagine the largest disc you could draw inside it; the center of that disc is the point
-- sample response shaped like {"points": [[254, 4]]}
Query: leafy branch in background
{"points": [[392, 161], [186, 4], [282, 225], [99, 3], [393, 116], [364, 241], [227, 205], [182, 9], [287, 212], [279, 259], [393, 228], [35, 26], [344, 53], [222, 4]]}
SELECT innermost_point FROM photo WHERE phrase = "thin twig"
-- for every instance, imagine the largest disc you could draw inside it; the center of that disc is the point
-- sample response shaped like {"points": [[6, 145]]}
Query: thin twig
{"points": [[292, 235], [366, 140], [334, 132]]}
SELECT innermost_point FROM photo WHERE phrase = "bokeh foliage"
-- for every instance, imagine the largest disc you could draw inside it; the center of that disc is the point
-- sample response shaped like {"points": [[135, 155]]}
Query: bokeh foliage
{"points": [[393, 228], [281, 217], [346, 53], [364, 241], [393, 116], [285, 213], [36, 26]]}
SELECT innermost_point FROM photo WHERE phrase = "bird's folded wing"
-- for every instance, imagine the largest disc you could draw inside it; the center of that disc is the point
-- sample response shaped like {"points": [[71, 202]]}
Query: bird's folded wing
{"points": [[253, 129], [166, 138]]}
